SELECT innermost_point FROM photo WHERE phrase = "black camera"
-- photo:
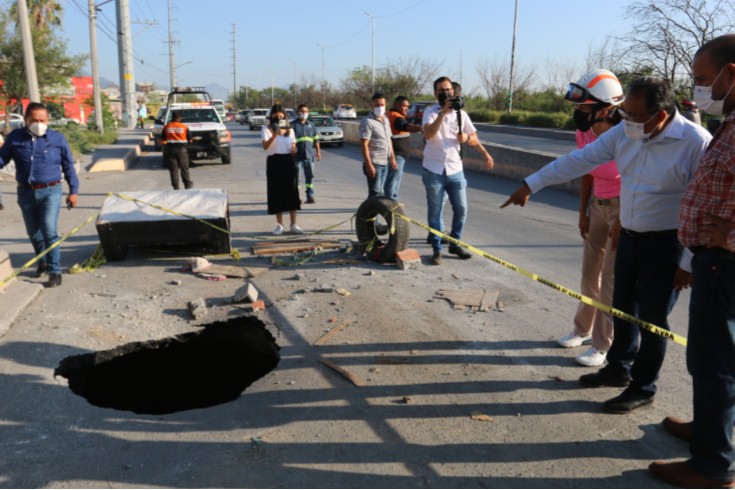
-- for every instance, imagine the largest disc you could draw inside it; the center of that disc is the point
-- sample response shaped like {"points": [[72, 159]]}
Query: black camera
{"points": [[457, 102]]}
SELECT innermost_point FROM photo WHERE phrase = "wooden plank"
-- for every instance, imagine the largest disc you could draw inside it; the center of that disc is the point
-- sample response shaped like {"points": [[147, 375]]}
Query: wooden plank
{"points": [[272, 248], [321, 340], [351, 377]]}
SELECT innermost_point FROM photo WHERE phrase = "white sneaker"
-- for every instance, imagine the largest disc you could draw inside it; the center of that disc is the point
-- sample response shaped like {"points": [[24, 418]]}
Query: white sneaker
{"points": [[592, 358], [278, 230], [574, 340], [296, 229]]}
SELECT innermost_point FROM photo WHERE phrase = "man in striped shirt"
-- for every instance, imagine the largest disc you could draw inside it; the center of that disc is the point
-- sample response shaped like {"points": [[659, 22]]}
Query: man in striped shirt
{"points": [[707, 228]]}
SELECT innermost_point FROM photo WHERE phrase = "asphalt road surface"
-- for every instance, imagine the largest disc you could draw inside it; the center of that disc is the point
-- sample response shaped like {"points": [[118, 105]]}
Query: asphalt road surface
{"points": [[449, 398]]}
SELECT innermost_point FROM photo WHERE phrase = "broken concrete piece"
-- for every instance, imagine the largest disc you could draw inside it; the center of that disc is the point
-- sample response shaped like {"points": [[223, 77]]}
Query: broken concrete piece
{"points": [[246, 293], [197, 308], [324, 288], [343, 292], [408, 259]]}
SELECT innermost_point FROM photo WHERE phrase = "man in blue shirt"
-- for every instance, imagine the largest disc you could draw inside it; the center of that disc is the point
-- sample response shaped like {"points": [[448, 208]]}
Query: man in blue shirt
{"points": [[40, 155], [307, 148]]}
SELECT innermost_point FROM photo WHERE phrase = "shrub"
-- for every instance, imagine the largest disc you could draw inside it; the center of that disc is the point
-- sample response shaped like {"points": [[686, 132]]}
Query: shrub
{"points": [[82, 140], [547, 120]]}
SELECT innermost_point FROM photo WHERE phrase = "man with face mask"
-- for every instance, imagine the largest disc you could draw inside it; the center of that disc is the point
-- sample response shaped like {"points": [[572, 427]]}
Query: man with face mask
{"points": [[657, 152], [41, 155], [446, 128], [307, 149], [707, 228], [377, 148]]}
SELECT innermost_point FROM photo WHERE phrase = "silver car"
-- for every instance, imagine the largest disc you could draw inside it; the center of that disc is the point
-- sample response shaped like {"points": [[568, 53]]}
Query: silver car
{"points": [[329, 132], [344, 111]]}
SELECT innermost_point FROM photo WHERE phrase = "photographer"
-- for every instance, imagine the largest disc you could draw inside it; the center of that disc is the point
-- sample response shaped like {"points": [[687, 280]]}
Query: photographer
{"points": [[446, 127], [280, 172]]}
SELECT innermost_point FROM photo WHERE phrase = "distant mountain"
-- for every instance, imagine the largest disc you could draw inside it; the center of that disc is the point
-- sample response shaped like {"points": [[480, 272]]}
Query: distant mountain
{"points": [[217, 91]]}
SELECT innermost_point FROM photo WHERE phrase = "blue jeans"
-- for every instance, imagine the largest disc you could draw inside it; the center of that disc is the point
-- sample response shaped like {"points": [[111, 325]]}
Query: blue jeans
{"points": [[393, 181], [711, 361], [376, 185], [308, 166], [456, 188], [645, 265], [40, 209]]}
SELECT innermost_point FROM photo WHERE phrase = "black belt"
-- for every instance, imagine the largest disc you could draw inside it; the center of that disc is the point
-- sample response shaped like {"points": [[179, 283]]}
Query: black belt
{"points": [[607, 202], [701, 248], [643, 234], [40, 186]]}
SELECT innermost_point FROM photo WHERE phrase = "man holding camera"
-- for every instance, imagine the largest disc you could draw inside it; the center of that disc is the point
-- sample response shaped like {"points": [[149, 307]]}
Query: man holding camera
{"points": [[446, 127]]}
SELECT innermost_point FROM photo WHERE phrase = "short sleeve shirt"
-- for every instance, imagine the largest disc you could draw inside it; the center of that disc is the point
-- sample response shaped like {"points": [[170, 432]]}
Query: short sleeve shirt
{"points": [[282, 145], [378, 134], [441, 152]]}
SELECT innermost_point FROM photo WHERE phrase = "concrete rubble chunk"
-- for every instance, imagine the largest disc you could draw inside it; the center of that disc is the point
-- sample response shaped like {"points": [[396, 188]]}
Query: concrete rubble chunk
{"points": [[197, 308], [246, 293], [408, 259]]}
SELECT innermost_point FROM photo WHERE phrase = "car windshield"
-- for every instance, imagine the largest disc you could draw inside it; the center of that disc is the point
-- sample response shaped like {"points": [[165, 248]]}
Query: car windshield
{"points": [[259, 113], [323, 122], [346, 107], [198, 115]]}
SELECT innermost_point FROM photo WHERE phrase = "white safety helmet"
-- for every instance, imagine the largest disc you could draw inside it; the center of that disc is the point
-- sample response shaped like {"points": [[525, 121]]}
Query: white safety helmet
{"points": [[595, 87]]}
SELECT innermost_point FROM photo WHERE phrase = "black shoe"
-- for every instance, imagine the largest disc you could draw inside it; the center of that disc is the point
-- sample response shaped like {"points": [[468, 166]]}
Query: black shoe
{"points": [[188, 186], [40, 271], [381, 229], [53, 280], [605, 377], [627, 401], [436, 258], [1, 206], [459, 252], [310, 200]]}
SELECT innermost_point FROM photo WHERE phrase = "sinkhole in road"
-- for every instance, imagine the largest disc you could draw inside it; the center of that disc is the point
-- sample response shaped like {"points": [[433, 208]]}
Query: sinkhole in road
{"points": [[192, 370]]}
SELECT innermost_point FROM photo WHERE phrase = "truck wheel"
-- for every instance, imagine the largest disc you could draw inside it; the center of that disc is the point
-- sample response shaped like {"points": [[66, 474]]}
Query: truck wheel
{"points": [[373, 223], [226, 158]]}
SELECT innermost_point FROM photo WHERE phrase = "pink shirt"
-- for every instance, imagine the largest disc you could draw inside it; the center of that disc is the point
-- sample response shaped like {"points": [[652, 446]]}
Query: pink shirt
{"points": [[606, 178]]}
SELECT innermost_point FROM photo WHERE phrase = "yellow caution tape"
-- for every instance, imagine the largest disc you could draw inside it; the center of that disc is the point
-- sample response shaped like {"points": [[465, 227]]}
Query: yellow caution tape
{"points": [[569, 292]]}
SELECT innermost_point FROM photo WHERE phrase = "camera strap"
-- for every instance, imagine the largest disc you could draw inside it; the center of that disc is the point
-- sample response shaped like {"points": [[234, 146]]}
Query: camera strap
{"points": [[459, 125]]}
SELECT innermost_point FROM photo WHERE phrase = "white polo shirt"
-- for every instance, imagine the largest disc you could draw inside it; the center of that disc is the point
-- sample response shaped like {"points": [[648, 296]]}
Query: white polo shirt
{"points": [[282, 145], [441, 152]]}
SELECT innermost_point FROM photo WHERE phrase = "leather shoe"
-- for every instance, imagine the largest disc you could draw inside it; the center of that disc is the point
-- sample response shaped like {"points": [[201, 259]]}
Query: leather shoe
{"points": [[627, 401], [459, 252], [40, 271], [436, 258], [678, 427], [681, 474], [605, 377], [310, 200], [54, 280]]}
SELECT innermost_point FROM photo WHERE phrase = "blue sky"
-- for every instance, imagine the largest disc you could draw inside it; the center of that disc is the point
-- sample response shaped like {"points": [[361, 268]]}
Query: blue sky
{"points": [[275, 39]]}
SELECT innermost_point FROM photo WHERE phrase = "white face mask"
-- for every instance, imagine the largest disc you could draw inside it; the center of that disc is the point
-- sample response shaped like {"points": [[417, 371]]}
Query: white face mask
{"points": [[38, 129], [303, 116], [636, 130], [703, 98], [379, 111]]}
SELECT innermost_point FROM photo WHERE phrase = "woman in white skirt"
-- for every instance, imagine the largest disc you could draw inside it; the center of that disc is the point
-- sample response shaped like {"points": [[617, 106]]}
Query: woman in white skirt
{"points": [[281, 174]]}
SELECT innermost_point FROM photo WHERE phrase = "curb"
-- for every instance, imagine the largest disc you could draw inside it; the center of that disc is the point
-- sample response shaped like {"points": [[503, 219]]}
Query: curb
{"points": [[14, 295]]}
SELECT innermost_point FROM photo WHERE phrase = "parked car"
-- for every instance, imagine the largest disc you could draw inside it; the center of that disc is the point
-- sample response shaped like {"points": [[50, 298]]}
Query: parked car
{"points": [[290, 114], [329, 132], [344, 111], [16, 121], [243, 116], [416, 111], [257, 119]]}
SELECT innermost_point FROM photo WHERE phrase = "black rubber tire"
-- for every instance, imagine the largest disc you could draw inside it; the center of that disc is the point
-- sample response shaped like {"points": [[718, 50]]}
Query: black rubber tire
{"points": [[226, 158], [382, 250]]}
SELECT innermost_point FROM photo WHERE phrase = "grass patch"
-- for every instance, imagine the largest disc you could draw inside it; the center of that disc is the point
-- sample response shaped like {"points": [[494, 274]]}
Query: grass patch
{"points": [[84, 141]]}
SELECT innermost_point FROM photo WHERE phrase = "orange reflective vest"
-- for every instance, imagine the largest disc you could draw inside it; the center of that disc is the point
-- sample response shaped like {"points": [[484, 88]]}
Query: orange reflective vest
{"points": [[175, 133]]}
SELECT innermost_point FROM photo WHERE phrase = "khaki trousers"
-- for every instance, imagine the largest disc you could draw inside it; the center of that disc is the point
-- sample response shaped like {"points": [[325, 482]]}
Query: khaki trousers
{"points": [[598, 275]]}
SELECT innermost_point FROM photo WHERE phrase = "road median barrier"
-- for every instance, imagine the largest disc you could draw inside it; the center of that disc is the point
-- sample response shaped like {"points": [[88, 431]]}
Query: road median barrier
{"points": [[120, 156]]}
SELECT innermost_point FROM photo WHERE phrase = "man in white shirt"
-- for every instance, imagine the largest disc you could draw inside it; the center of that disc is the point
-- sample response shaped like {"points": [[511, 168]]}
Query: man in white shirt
{"points": [[446, 129], [657, 152]]}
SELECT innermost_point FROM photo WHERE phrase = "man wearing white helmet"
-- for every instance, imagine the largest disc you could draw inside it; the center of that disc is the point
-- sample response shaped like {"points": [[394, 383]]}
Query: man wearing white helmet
{"points": [[657, 152], [596, 96]]}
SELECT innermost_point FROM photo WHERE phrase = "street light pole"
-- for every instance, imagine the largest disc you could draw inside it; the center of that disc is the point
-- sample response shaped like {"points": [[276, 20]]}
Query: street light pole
{"points": [[512, 60], [98, 121], [372, 75], [28, 58], [324, 81]]}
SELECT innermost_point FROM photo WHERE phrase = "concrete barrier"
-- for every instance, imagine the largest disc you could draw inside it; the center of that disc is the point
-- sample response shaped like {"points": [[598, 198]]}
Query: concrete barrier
{"points": [[118, 157], [15, 295], [510, 162]]}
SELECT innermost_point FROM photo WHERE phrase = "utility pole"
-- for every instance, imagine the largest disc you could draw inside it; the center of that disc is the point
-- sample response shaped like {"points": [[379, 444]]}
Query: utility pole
{"points": [[512, 60], [28, 58], [372, 75], [234, 63], [461, 82], [171, 42], [324, 81], [294, 82], [125, 56], [95, 68]]}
